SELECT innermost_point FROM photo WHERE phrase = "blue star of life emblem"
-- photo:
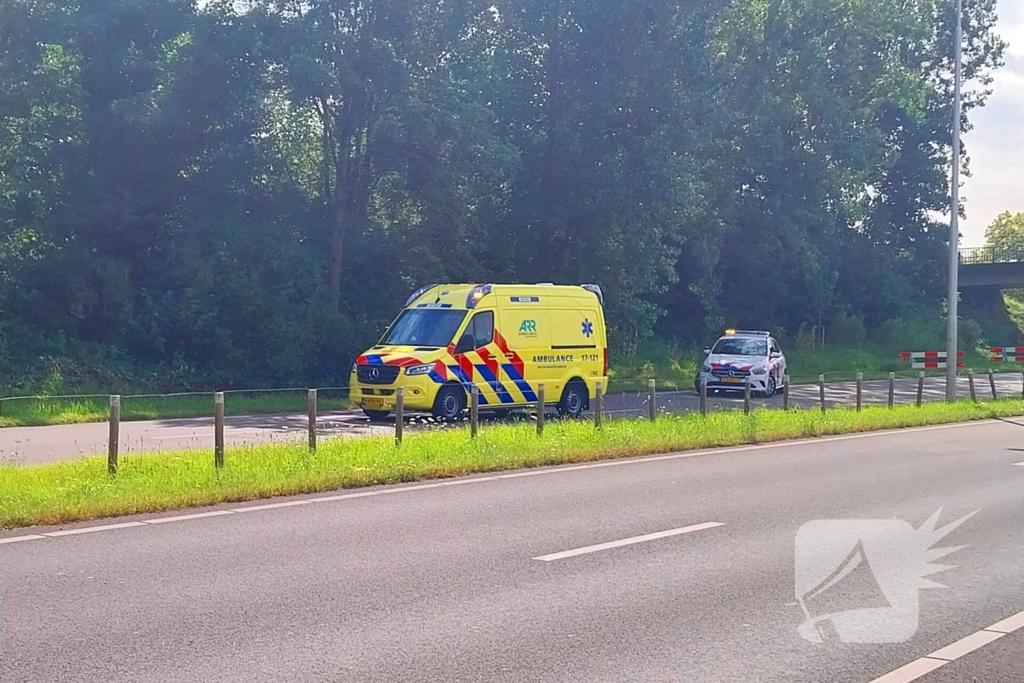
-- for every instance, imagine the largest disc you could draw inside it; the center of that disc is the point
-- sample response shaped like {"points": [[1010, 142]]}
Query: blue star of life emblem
{"points": [[588, 328]]}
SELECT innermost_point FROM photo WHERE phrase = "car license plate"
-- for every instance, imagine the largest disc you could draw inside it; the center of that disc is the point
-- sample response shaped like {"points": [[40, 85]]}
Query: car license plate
{"points": [[373, 402], [732, 380]]}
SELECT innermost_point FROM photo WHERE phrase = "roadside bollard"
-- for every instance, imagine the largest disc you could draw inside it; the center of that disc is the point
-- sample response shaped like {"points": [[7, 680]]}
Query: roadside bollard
{"points": [[992, 384], [785, 393], [1022, 385], [540, 408], [115, 429], [970, 383], [920, 388], [652, 405], [311, 410], [474, 411], [598, 404], [821, 391], [399, 414], [860, 389], [704, 396], [892, 388], [218, 429], [746, 397]]}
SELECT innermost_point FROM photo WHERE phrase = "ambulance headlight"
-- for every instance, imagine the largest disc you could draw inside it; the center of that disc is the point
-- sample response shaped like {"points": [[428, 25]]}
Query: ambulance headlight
{"points": [[760, 371], [414, 370], [705, 368]]}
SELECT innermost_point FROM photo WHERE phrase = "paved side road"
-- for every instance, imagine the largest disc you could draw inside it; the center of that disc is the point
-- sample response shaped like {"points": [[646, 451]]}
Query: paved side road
{"points": [[676, 568], [46, 444]]}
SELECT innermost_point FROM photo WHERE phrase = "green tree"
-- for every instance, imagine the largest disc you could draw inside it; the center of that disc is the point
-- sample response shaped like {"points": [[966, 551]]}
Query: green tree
{"points": [[1006, 233]]}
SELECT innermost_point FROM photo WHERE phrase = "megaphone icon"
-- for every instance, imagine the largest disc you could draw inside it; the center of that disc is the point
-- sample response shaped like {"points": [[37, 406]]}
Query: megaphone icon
{"points": [[851, 586]]}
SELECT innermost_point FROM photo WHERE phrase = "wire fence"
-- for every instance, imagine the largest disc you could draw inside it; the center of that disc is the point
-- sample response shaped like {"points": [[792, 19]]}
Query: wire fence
{"points": [[650, 404]]}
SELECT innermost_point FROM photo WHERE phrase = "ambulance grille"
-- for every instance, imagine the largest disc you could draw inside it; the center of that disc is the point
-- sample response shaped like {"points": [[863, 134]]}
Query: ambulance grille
{"points": [[377, 374]]}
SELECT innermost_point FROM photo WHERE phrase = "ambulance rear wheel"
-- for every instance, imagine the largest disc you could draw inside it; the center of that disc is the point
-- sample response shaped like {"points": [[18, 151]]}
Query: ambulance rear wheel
{"points": [[450, 402], [573, 401]]}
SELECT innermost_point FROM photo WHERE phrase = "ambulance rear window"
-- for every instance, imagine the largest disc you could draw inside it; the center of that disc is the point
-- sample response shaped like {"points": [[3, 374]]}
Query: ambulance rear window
{"points": [[424, 327]]}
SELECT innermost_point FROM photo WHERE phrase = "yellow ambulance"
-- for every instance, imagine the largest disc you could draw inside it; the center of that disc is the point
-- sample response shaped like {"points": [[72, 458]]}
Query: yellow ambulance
{"points": [[503, 339]]}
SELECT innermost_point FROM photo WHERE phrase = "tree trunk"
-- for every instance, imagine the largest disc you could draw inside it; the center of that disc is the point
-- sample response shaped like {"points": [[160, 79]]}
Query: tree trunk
{"points": [[334, 258]]}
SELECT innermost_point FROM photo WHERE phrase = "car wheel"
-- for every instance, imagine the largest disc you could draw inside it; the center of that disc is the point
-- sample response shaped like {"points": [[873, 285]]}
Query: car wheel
{"points": [[771, 390], [450, 403], [573, 400], [377, 415]]}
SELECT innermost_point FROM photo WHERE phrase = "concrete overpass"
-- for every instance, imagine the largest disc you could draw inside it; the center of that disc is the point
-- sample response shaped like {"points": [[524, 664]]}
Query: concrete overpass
{"points": [[986, 267]]}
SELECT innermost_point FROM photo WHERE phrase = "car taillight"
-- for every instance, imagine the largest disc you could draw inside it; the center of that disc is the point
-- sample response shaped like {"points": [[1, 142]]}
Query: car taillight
{"points": [[604, 371]]}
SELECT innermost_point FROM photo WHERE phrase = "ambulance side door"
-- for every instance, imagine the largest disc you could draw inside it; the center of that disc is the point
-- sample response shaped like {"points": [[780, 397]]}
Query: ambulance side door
{"points": [[523, 334]]}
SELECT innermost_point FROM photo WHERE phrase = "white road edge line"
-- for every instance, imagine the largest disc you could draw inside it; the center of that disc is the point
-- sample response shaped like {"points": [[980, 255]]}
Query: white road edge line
{"points": [[912, 671], [530, 473], [19, 539], [954, 651], [1018, 464], [93, 529], [1008, 625], [966, 646], [628, 541]]}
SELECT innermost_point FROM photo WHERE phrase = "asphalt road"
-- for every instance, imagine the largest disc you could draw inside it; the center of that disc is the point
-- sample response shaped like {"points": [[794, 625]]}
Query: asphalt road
{"points": [[440, 582], [44, 444]]}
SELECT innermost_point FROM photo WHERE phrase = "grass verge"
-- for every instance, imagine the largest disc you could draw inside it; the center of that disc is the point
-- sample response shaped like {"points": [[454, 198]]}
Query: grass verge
{"points": [[52, 411], [80, 489]]}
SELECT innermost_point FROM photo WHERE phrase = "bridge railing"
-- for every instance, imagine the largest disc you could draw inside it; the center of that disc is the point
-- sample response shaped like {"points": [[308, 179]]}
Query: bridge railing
{"points": [[980, 255]]}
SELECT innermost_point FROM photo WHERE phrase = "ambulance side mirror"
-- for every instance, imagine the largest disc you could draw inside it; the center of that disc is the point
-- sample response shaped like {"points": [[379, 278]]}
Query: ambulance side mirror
{"points": [[707, 350], [466, 344], [775, 355]]}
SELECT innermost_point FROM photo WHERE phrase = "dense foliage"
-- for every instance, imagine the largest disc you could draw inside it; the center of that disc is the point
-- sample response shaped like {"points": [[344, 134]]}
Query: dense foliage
{"points": [[245, 192]]}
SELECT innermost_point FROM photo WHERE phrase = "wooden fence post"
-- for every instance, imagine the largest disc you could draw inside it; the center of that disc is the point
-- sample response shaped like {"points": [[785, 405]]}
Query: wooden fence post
{"points": [[474, 411], [218, 429], [399, 414], [860, 390], [892, 389], [652, 402], [311, 410], [540, 408], [920, 388], [970, 383], [704, 395], [785, 393], [821, 391], [992, 384], [115, 431], [598, 404], [746, 397]]}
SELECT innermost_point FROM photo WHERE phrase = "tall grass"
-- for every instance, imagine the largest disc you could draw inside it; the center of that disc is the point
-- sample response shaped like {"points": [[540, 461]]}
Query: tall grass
{"points": [[80, 489]]}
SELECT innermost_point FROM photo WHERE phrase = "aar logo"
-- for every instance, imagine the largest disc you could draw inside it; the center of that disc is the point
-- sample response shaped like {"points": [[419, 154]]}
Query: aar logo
{"points": [[588, 328], [857, 581], [528, 328]]}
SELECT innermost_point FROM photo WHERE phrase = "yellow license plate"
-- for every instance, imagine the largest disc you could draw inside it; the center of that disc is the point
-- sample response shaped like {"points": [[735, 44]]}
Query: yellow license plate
{"points": [[732, 380], [373, 402]]}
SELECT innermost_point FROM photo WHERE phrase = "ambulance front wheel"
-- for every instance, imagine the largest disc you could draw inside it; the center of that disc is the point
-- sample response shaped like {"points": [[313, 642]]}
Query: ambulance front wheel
{"points": [[450, 402], [377, 415], [574, 400]]}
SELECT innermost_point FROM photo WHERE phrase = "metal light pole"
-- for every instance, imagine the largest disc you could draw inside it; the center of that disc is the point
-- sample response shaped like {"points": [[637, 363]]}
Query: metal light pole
{"points": [[954, 220]]}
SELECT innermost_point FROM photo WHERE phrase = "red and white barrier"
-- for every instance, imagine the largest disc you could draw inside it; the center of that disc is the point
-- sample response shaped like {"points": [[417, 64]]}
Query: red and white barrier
{"points": [[1008, 354], [920, 360]]}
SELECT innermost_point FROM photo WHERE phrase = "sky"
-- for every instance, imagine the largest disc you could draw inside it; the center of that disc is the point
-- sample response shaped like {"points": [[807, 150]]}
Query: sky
{"points": [[996, 144]]}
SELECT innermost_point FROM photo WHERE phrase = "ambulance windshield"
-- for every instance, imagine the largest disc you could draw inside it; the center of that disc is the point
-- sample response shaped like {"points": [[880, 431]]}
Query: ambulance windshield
{"points": [[424, 327]]}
